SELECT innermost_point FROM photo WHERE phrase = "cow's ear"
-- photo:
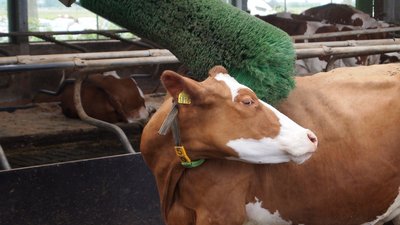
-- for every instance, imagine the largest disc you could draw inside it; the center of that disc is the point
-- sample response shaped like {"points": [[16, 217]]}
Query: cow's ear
{"points": [[175, 84], [216, 70]]}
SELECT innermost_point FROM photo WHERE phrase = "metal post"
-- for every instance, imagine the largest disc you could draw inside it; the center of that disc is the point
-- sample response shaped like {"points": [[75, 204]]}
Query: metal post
{"points": [[284, 6], [365, 6], [244, 5], [18, 22], [4, 165]]}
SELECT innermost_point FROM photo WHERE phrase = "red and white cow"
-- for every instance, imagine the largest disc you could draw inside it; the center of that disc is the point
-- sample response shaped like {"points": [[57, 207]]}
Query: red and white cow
{"points": [[247, 177], [107, 97]]}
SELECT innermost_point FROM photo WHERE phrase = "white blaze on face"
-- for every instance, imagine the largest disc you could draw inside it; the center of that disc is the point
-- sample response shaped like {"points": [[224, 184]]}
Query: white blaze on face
{"points": [[257, 215], [291, 144]]}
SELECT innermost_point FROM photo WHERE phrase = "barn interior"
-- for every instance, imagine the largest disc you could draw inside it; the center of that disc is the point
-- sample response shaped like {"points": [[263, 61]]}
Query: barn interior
{"points": [[43, 44]]}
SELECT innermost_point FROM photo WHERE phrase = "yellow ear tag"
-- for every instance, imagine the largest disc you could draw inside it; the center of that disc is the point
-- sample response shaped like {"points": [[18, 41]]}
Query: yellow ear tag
{"points": [[181, 153], [184, 98]]}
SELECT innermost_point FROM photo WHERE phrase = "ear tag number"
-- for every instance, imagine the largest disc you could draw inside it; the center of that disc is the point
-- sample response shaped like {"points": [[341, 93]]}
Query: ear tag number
{"points": [[184, 98], [181, 153]]}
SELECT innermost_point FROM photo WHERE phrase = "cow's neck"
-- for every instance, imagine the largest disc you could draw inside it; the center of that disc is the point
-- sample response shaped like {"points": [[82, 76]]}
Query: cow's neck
{"points": [[171, 123], [165, 165]]}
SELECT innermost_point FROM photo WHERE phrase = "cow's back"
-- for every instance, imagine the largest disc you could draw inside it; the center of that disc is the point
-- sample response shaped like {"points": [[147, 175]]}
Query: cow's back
{"points": [[355, 112], [355, 94], [334, 13]]}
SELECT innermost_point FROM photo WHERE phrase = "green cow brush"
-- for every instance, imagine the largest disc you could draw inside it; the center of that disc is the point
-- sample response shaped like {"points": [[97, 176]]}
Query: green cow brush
{"points": [[204, 33]]}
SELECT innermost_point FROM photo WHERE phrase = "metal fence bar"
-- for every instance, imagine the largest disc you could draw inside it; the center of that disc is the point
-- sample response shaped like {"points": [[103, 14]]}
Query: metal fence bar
{"points": [[27, 59], [39, 33], [358, 50], [347, 43], [77, 63], [49, 38], [162, 56], [346, 33]]}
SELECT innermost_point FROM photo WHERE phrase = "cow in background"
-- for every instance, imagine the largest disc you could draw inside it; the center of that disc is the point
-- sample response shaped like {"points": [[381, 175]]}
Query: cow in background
{"points": [[343, 14], [300, 26], [391, 57], [107, 97], [295, 24], [352, 19], [294, 16]]}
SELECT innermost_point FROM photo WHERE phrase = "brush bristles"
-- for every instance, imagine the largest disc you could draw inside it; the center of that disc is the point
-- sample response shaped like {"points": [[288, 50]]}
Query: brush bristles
{"points": [[204, 33]]}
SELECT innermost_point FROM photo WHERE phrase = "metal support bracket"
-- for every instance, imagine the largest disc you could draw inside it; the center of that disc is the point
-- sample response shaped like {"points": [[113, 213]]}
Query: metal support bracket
{"points": [[4, 165], [67, 3]]}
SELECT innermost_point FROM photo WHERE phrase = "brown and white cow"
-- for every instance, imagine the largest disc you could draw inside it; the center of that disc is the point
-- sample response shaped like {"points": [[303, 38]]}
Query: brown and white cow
{"points": [[353, 178], [107, 97]]}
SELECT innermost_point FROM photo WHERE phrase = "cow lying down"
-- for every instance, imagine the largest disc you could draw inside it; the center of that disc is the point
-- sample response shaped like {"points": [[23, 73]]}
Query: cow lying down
{"points": [[243, 162], [107, 97]]}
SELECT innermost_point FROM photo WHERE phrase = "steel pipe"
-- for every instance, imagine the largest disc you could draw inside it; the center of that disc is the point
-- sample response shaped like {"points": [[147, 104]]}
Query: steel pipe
{"points": [[350, 43], [353, 51], [123, 62], [39, 33], [346, 33], [95, 122], [26, 59]]}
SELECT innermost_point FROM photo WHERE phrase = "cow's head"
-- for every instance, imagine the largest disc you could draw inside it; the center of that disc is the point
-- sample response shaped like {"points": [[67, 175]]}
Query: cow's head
{"points": [[225, 119], [124, 96]]}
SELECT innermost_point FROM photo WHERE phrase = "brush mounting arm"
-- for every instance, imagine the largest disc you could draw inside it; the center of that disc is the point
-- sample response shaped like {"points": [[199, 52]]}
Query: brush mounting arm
{"points": [[67, 2]]}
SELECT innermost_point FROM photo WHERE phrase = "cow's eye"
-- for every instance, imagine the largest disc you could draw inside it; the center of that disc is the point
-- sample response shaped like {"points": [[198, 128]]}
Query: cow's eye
{"points": [[247, 101]]}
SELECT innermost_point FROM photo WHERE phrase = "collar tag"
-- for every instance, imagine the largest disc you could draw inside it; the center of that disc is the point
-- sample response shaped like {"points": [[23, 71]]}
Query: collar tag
{"points": [[184, 98]]}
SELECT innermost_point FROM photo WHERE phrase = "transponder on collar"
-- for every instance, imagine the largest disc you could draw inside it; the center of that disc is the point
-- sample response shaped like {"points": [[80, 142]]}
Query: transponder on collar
{"points": [[171, 122]]}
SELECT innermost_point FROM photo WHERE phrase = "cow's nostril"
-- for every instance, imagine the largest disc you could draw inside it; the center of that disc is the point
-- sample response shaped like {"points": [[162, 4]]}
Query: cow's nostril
{"points": [[312, 138]]}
